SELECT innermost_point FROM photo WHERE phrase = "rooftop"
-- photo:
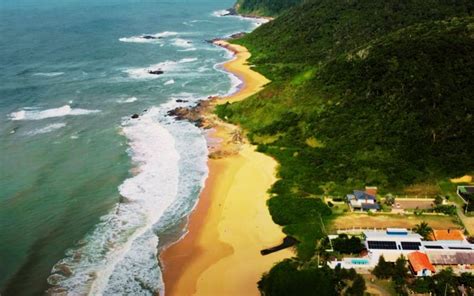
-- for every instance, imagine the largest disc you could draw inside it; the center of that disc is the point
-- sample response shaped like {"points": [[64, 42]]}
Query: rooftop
{"points": [[392, 234], [371, 190], [363, 195], [369, 206], [447, 234], [451, 258], [420, 261], [466, 189]]}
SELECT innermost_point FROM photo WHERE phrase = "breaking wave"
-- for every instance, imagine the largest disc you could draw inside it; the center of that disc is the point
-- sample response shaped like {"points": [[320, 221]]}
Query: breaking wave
{"points": [[167, 67], [66, 110], [127, 100], [47, 129], [120, 256], [49, 74]]}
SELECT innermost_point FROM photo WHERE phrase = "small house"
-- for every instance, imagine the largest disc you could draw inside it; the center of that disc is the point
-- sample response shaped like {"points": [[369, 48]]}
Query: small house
{"points": [[420, 264], [362, 201]]}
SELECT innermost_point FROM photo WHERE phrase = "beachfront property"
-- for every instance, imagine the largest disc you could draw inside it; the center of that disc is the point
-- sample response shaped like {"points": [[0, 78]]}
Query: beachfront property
{"points": [[363, 200], [451, 250]]}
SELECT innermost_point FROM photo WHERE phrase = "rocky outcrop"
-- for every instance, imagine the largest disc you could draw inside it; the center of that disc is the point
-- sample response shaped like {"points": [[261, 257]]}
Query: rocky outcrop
{"points": [[150, 37], [155, 72], [231, 11], [237, 35], [193, 114]]}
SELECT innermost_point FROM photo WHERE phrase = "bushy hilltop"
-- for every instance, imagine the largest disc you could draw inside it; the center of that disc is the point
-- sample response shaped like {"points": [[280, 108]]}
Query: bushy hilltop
{"points": [[264, 7], [320, 29], [363, 93]]}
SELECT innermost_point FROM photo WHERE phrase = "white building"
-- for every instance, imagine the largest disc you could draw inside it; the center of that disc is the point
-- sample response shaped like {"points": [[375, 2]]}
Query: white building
{"points": [[394, 242]]}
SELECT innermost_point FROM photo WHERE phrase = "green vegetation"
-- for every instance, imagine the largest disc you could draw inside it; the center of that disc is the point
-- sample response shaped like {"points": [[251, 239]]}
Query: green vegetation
{"points": [[363, 93], [398, 272], [264, 7], [319, 30], [347, 245], [424, 230], [287, 278], [445, 282], [383, 270], [302, 218], [388, 114], [446, 209]]}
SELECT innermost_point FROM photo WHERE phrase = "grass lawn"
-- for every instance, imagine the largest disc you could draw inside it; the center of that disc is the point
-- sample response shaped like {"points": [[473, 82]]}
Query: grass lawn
{"points": [[340, 208], [389, 220]]}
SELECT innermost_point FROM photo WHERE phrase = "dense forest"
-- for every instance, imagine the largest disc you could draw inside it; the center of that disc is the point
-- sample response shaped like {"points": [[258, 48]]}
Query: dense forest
{"points": [[264, 7], [363, 93]]}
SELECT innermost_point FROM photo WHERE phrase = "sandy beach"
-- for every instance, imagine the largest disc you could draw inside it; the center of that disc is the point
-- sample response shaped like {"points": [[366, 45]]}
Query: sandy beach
{"points": [[220, 255]]}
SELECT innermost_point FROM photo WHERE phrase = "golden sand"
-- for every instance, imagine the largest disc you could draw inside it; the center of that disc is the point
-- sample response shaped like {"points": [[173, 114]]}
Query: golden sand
{"points": [[463, 179], [220, 255], [253, 81]]}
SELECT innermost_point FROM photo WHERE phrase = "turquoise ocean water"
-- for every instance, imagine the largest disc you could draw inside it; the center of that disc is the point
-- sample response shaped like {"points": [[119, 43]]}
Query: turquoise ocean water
{"points": [[87, 194]]}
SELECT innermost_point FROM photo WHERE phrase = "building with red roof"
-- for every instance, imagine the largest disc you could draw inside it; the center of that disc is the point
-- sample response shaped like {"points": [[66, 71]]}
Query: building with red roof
{"points": [[447, 235], [420, 264]]}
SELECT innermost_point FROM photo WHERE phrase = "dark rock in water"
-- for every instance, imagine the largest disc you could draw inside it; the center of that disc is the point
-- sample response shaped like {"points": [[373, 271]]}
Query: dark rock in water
{"points": [[148, 37], [135, 116], [63, 269], [179, 113], [199, 122], [231, 11], [237, 35], [181, 101], [54, 280], [155, 72]]}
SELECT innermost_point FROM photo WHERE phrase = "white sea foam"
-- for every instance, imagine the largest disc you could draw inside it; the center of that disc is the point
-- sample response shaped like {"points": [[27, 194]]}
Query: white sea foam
{"points": [[146, 197], [256, 21], [203, 69], [46, 129], [179, 42], [188, 60], [127, 100], [143, 73], [171, 81], [49, 74], [168, 67], [141, 39], [219, 13], [65, 110], [120, 256], [188, 49]]}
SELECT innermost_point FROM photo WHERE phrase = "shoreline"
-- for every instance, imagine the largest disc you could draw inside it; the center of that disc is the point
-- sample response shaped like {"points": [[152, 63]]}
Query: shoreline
{"points": [[231, 222]]}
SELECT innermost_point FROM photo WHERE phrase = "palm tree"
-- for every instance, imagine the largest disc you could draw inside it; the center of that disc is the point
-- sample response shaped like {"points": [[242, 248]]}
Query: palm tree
{"points": [[424, 230]]}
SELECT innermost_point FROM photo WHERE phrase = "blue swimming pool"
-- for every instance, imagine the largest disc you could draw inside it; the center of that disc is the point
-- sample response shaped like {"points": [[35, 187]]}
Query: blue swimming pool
{"points": [[360, 261]]}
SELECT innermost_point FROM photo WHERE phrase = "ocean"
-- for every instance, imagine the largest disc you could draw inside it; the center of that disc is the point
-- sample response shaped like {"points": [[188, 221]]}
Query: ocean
{"points": [[89, 195]]}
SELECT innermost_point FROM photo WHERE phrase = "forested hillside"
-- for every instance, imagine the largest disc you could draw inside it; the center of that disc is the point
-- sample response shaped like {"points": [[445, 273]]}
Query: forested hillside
{"points": [[321, 29], [264, 7], [363, 93]]}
